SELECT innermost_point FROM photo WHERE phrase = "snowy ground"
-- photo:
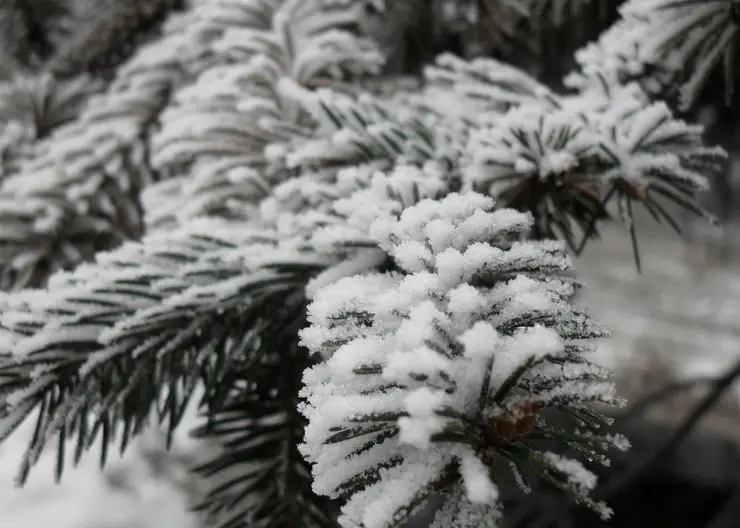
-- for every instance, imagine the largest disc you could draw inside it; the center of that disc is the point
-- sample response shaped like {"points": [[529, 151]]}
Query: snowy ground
{"points": [[680, 318]]}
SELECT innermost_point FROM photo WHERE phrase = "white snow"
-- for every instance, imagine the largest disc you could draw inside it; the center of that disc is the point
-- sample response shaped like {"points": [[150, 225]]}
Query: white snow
{"points": [[422, 422], [88, 498], [476, 479], [481, 340]]}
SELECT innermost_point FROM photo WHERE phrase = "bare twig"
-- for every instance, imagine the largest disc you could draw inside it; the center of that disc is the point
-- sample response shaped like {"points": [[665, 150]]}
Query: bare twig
{"points": [[718, 388], [667, 391], [728, 516]]}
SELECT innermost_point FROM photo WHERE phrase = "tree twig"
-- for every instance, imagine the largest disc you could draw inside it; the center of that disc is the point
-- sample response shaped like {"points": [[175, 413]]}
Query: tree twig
{"points": [[728, 515], [719, 386], [667, 391]]}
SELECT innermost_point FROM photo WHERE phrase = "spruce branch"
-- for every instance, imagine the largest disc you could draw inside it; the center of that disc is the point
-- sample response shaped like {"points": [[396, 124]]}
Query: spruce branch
{"points": [[91, 353], [128, 338], [578, 165], [262, 478], [216, 134], [31, 106], [669, 46], [372, 131], [116, 343], [566, 159], [436, 368], [616, 58], [43, 101], [490, 85], [693, 37], [79, 193]]}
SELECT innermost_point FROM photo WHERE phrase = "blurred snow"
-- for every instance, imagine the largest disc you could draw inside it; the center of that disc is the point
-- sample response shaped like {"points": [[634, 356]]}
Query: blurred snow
{"points": [[133, 492], [681, 316]]}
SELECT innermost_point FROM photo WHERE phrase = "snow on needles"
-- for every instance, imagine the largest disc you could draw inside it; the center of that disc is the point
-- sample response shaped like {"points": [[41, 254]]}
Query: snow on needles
{"points": [[427, 366]]}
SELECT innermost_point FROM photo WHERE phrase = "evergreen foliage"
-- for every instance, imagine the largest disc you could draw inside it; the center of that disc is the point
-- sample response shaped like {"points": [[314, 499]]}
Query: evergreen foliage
{"points": [[438, 367], [370, 279]]}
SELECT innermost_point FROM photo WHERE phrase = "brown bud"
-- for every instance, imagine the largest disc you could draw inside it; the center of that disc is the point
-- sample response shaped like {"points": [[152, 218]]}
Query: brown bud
{"points": [[515, 423], [637, 191]]}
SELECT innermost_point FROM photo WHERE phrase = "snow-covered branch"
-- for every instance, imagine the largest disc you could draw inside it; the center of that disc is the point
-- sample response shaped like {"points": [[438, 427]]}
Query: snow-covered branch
{"points": [[437, 368], [215, 134]]}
